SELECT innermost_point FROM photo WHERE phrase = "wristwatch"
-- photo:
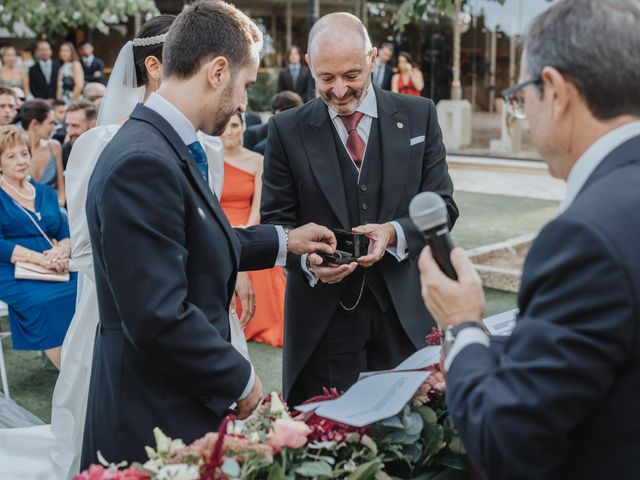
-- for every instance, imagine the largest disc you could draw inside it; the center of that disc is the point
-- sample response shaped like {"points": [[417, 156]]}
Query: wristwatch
{"points": [[452, 332]]}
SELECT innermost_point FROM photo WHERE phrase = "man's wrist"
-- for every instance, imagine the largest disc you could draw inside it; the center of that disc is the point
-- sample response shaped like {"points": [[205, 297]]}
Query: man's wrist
{"points": [[393, 237]]}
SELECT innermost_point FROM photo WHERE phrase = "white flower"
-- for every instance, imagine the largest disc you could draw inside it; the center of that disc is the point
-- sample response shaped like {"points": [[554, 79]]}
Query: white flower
{"points": [[163, 443], [153, 466], [277, 407], [178, 471]]}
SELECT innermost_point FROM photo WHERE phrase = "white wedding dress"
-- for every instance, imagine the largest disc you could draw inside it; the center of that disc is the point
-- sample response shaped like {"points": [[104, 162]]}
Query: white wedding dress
{"points": [[52, 452]]}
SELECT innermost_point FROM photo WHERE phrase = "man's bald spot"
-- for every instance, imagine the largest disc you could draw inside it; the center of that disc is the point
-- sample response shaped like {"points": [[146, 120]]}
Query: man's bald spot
{"points": [[337, 27]]}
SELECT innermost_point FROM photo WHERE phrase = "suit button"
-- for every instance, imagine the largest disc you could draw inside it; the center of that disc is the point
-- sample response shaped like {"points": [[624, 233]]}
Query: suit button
{"points": [[363, 188], [364, 205]]}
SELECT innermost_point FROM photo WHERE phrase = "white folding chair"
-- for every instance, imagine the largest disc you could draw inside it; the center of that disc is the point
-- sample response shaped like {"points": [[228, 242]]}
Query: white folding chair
{"points": [[3, 370]]}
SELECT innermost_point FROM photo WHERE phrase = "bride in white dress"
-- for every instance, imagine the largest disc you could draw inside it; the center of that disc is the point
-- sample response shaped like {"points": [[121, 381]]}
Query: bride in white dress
{"points": [[53, 451]]}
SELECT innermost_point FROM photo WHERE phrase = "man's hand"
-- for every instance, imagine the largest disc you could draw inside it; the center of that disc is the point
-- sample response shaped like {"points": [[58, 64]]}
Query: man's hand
{"points": [[330, 273], [311, 238], [380, 237], [244, 291], [451, 302], [249, 404]]}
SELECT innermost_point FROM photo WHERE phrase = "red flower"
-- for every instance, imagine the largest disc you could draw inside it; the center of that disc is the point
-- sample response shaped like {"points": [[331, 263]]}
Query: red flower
{"points": [[98, 472], [435, 337], [325, 430]]}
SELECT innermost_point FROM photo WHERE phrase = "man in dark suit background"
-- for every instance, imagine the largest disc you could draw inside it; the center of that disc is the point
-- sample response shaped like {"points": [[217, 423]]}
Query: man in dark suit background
{"points": [[43, 75], [165, 256], [383, 72], [340, 321], [296, 76], [93, 67], [255, 136], [561, 400]]}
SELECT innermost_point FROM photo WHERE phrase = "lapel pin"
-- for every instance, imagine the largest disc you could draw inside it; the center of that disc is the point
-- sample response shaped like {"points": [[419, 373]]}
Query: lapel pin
{"points": [[201, 213], [399, 125]]}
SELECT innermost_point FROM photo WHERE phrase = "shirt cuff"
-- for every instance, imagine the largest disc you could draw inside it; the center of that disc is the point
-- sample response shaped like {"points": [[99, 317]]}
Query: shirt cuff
{"points": [[466, 337], [400, 250], [250, 383], [311, 277], [281, 260]]}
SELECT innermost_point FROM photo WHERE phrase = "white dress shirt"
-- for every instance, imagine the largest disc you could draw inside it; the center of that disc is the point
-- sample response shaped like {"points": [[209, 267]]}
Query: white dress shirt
{"points": [[187, 133], [578, 176], [46, 68], [369, 108]]}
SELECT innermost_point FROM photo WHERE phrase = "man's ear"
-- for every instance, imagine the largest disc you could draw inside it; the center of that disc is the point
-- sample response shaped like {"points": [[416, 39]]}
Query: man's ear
{"points": [[557, 90], [217, 72], [308, 60], [154, 67]]}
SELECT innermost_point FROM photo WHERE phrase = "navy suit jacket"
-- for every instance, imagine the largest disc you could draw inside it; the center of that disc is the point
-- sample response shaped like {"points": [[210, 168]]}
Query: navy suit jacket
{"points": [[165, 260], [96, 65], [562, 400], [38, 83]]}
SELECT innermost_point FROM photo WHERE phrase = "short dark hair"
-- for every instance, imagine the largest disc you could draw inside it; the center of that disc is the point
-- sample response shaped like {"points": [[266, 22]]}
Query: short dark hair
{"points": [[285, 100], [57, 103], [33, 110], [156, 26], [90, 110], [386, 45], [7, 91], [595, 44], [206, 30]]}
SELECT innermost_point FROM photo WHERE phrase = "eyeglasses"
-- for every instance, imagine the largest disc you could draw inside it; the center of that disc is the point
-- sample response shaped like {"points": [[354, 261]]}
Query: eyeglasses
{"points": [[514, 97]]}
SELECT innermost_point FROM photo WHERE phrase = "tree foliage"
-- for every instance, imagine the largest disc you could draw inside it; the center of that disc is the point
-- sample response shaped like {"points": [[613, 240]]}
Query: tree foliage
{"points": [[415, 10], [59, 16]]}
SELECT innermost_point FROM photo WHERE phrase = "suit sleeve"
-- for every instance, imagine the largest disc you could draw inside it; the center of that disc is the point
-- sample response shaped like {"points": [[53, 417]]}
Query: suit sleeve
{"points": [[143, 243], [435, 178], [516, 410], [259, 247], [281, 85], [279, 200]]}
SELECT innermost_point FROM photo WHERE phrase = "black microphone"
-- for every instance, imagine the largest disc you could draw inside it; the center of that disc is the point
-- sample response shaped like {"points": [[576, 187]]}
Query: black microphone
{"points": [[429, 214]]}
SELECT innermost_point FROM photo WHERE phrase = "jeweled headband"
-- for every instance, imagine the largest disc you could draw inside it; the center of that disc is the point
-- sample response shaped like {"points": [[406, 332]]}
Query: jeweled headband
{"points": [[147, 41]]}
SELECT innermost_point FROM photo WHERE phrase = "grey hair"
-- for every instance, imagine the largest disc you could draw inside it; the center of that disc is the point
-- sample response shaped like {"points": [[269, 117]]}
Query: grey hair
{"points": [[596, 45], [332, 21]]}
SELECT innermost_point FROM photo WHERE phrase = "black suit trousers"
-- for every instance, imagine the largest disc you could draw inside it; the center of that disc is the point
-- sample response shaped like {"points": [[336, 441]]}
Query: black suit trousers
{"points": [[364, 339]]}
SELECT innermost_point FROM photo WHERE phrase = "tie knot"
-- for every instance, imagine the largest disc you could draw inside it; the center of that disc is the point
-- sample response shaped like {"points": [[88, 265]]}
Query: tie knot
{"points": [[351, 121]]}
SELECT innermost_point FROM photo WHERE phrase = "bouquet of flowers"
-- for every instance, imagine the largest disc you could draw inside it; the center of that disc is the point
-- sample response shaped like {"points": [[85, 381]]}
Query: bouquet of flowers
{"points": [[275, 443]]}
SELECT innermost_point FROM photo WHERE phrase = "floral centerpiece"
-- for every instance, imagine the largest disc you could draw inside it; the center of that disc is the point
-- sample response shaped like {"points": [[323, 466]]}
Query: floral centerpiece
{"points": [[275, 443]]}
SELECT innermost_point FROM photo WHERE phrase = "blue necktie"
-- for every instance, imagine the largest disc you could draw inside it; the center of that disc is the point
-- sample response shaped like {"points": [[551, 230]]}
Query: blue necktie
{"points": [[200, 157]]}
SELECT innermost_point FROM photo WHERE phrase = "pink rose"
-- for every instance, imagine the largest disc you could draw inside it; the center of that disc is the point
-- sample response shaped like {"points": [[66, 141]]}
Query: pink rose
{"points": [[288, 433]]}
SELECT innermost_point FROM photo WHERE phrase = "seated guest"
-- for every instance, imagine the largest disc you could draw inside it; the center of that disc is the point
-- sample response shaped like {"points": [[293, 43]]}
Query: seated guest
{"points": [[36, 117], [255, 137], [241, 204], [59, 113], [94, 92], [81, 117], [7, 106], [39, 311], [92, 67], [408, 80]]}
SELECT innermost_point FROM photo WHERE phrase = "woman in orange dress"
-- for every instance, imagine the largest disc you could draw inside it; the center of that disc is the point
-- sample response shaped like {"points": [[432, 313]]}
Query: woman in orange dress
{"points": [[408, 80], [241, 203]]}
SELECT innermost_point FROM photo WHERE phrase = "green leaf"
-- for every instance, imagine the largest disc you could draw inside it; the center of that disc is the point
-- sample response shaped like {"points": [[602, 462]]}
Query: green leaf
{"points": [[369, 443], [452, 460], [428, 415], [433, 436], [456, 446], [315, 469], [366, 471], [276, 472]]}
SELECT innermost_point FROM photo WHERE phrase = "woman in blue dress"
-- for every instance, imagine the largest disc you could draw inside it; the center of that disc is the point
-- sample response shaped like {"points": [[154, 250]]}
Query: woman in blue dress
{"points": [[39, 311]]}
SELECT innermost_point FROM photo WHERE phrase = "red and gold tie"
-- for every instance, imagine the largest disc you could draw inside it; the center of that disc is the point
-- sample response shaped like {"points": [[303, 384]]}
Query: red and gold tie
{"points": [[355, 145]]}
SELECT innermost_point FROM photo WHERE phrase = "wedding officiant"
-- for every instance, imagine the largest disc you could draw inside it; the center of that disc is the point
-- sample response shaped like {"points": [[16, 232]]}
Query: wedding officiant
{"points": [[562, 399]]}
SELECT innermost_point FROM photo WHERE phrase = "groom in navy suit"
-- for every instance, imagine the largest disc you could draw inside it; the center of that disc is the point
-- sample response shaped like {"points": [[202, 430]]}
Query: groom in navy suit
{"points": [[165, 255], [562, 399]]}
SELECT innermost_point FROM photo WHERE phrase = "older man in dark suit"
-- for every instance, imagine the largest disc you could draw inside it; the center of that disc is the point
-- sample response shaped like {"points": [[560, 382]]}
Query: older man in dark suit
{"points": [[562, 399], [353, 158]]}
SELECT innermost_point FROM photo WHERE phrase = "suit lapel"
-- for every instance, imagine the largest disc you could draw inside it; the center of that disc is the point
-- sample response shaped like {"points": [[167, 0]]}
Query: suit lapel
{"points": [[193, 172], [394, 136], [319, 144]]}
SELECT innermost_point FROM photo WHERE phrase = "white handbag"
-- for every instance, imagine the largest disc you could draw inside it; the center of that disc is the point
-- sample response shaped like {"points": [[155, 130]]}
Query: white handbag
{"points": [[32, 271]]}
